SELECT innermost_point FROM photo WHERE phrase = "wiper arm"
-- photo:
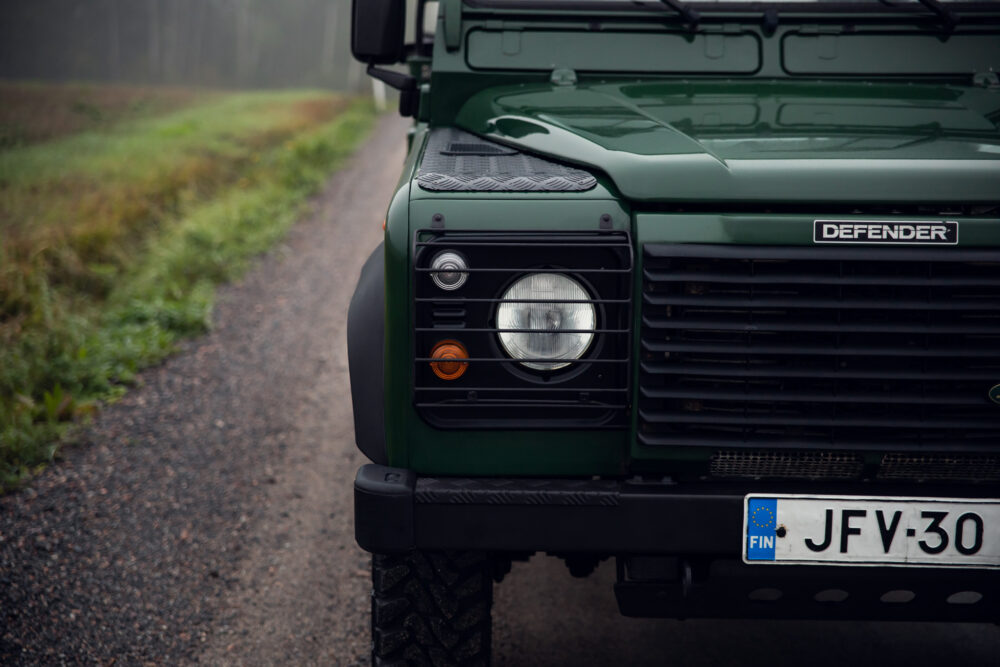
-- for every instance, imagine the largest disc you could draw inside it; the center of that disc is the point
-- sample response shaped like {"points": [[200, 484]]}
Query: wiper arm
{"points": [[690, 16], [949, 19]]}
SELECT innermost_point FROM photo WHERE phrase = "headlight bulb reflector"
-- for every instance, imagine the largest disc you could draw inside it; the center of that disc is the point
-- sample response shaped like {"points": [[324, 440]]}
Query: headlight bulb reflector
{"points": [[554, 329]]}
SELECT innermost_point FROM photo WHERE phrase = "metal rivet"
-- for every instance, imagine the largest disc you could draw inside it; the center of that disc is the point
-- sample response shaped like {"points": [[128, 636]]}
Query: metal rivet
{"points": [[831, 595], [964, 597], [764, 594], [898, 596]]}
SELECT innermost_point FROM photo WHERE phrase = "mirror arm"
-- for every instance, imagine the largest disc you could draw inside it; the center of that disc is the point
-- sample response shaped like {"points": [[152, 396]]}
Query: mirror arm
{"points": [[419, 33], [409, 96]]}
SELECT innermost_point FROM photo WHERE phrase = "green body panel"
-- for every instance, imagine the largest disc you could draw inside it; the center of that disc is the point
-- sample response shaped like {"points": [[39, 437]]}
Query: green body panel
{"points": [[920, 54], [872, 46], [397, 300], [602, 52], [729, 122], [759, 142], [779, 229]]}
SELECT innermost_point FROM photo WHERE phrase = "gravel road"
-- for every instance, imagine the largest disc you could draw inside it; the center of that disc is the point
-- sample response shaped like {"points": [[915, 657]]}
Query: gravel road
{"points": [[207, 517]]}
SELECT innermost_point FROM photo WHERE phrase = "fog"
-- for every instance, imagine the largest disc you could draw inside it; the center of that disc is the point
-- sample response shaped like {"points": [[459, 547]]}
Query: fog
{"points": [[218, 43]]}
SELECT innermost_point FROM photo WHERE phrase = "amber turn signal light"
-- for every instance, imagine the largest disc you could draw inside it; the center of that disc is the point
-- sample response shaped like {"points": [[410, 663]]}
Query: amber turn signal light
{"points": [[451, 353]]}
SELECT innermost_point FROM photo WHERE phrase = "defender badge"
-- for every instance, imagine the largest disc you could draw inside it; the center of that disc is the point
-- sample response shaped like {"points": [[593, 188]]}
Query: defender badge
{"points": [[995, 394], [899, 232]]}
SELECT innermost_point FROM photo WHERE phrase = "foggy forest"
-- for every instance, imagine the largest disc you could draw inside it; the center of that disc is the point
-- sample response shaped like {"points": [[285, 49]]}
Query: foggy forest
{"points": [[217, 43]]}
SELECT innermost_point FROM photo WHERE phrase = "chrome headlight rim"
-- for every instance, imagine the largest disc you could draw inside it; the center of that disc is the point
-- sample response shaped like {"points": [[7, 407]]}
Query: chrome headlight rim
{"points": [[560, 368]]}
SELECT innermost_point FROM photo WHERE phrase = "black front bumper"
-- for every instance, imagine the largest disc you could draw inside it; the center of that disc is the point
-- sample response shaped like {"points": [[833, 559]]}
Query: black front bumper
{"points": [[692, 532], [396, 511]]}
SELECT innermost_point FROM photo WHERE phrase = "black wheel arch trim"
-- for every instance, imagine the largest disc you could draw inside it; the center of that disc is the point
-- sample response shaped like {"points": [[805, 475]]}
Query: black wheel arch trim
{"points": [[366, 356]]}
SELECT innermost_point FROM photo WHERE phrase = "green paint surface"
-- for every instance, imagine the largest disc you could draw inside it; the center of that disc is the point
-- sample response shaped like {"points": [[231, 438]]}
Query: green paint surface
{"points": [[694, 138], [788, 141]]}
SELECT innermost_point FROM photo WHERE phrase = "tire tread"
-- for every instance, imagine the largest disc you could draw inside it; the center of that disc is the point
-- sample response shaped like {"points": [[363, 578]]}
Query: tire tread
{"points": [[431, 608]]}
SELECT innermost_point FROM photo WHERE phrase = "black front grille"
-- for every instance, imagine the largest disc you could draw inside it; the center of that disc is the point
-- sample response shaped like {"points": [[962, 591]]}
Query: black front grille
{"points": [[495, 391], [785, 464], [938, 467], [846, 348], [819, 464]]}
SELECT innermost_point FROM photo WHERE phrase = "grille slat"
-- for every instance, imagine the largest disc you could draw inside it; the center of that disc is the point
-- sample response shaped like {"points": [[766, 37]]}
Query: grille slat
{"points": [[737, 322], [754, 418], [770, 302], [982, 442], [743, 370], [805, 347], [818, 279], [769, 395], [988, 348], [970, 257]]}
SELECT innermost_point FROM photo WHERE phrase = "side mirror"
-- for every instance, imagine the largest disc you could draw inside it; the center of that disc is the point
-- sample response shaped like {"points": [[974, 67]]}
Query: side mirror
{"points": [[377, 31]]}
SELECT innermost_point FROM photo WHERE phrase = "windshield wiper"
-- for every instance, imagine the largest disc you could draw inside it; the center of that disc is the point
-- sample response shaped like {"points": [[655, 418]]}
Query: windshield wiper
{"points": [[949, 19], [947, 16], [690, 16]]}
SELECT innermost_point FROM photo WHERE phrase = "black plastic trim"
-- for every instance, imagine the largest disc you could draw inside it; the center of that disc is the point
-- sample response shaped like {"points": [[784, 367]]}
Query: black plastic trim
{"points": [[366, 356], [444, 169], [377, 31], [731, 589], [596, 516], [383, 508]]}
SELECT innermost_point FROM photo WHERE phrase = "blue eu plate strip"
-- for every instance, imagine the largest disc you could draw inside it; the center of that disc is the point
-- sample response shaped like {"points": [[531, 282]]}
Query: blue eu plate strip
{"points": [[761, 522]]}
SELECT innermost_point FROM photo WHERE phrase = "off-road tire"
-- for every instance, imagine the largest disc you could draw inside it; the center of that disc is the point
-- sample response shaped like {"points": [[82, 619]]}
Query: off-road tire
{"points": [[431, 608]]}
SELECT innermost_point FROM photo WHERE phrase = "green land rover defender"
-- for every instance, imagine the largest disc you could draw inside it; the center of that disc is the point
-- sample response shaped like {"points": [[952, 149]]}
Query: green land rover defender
{"points": [[708, 289]]}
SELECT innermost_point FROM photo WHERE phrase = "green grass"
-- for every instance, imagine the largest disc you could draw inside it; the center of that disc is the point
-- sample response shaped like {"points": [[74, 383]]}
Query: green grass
{"points": [[31, 112], [113, 243]]}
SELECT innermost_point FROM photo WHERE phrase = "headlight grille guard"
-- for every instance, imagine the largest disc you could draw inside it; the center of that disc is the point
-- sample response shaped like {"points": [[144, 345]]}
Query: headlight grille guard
{"points": [[496, 391]]}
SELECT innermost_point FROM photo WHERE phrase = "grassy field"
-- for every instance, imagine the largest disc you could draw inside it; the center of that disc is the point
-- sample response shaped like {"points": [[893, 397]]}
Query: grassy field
{"points": [[114, 232], [34, 112]]}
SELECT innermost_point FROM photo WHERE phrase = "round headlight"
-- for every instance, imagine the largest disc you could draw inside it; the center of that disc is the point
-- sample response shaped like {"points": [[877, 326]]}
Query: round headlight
{"points": [[546, 321], [449, 270]]}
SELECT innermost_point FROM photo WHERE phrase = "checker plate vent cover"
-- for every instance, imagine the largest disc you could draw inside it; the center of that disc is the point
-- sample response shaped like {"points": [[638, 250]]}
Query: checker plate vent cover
{"points": [[457, 161]]}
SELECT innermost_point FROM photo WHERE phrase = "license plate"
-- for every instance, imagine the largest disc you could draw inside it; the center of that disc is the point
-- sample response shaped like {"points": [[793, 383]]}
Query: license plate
{"points": [[856, 530]]}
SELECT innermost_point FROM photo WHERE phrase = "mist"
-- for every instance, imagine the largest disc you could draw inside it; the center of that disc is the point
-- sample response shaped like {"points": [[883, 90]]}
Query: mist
{"points": [[216, 43]]}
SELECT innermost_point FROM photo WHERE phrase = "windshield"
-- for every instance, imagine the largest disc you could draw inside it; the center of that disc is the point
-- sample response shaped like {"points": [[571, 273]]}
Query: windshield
{"points": [[654, 4]]}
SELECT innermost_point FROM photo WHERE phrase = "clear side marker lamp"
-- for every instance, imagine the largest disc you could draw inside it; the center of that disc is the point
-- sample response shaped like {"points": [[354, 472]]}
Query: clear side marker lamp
{"points": [[448, 270]]}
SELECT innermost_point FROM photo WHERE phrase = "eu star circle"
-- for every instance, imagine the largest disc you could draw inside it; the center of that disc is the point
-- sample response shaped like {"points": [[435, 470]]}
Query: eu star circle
{"points": [[762, 517]]}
